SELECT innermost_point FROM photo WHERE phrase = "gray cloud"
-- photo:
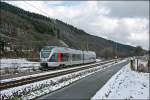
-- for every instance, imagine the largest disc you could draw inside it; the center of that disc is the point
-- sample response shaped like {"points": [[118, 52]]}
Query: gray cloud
{"points": [[127, 8]]}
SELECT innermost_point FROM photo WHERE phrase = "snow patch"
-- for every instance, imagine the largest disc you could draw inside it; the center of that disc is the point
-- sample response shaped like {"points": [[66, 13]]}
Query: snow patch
{"points": [[11, 63], [125, 84]]}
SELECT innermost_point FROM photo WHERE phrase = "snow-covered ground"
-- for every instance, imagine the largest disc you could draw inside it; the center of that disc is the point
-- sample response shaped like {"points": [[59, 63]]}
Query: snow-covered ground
{"points": [[36, 89], [13, 63], [13, 66], [125, 84]]}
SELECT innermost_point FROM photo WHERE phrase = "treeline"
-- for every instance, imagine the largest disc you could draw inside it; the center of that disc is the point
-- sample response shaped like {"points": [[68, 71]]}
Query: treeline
{"points": [[35, 19]]}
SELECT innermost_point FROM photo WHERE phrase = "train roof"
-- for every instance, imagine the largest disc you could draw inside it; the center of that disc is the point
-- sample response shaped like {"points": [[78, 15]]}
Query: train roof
{"points": [[64, 49]]}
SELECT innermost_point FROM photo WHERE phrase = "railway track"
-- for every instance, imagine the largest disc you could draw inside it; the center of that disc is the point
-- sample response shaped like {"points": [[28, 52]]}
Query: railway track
{"points": [[8, 76], [14, 83]]}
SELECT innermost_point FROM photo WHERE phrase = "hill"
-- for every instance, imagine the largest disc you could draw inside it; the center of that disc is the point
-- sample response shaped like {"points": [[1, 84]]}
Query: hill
{"points": [[23, 29]]}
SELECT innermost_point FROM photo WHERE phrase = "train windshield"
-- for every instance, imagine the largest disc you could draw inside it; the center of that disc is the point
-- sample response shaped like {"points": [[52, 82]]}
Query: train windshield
{"points": [[45, 54]]}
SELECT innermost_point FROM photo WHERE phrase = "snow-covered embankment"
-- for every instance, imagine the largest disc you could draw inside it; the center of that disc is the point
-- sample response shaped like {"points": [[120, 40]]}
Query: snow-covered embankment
{"points": [[126, 84]]}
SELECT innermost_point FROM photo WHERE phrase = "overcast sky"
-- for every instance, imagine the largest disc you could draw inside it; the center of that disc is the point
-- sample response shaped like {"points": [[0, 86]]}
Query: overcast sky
{"points": [[126, 22]]}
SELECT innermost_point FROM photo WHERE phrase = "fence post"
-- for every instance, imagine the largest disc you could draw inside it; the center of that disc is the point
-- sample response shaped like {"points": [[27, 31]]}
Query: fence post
{"points": [[137, 65], [131, 64]]}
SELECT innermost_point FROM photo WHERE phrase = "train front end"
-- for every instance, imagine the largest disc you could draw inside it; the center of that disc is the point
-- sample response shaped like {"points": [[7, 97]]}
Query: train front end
{"points": [[47, 57]]}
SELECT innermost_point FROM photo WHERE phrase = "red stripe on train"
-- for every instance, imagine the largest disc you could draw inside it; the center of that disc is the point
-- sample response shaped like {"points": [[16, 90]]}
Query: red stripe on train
{"points": [[59, 56]]}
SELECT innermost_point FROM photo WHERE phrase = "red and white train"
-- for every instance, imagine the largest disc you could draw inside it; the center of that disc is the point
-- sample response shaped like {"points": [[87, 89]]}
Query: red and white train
{"points": [[53, 56]]}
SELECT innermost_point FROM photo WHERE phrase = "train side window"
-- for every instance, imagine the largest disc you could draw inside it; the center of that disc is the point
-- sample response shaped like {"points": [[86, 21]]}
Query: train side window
{"points": [[64, 57], [76, 57]]}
